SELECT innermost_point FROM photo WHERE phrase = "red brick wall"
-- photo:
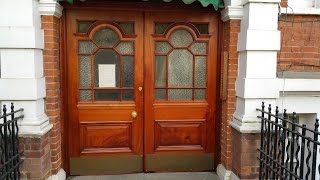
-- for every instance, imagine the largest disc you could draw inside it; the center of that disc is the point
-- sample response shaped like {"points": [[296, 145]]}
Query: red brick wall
{"points": [[300, 43], [244, 155], [51, 26], [230, 39], [36, 157]]}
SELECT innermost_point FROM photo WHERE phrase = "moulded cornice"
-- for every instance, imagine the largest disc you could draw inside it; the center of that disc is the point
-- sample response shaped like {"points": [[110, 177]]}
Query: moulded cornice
{"points": [[260, 1], [232, 12], [50, 8]]}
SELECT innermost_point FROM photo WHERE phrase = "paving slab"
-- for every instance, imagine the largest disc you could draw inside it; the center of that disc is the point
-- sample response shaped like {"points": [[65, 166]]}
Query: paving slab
{"points": [[153, 176]]}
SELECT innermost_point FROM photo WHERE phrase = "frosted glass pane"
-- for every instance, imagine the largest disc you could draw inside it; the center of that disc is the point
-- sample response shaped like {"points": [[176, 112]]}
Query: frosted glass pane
{"points": [[83, 26], [85, 71], [127, 71], [200, 71], [127, 27], [86, 47], [127, 95], [106, 56], [85, 95], [199, 48], [106, 37], [181, 38], [199, 94], [180, 94], [125, 48], [202, 28], [160, 94], [106, 95], [160, 71], [163, 47], [180, 68], [160, 28]]}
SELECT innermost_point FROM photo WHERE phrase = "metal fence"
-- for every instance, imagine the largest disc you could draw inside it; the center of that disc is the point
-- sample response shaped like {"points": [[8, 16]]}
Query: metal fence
{"points": [[288, 150], [9, 144]]}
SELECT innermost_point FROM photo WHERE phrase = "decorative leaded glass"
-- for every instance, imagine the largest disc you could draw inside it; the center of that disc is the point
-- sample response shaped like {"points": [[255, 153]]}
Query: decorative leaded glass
{"points": [[127, 27], [106, 37], [161, 94], [86, 47], [180, 68], [180, 94], [199, 94], [199, 48], [160, 28], [85, 71], [127, 95], [200, 71], [202, 28], [125, 48], [127, 71], [160, 71], [83, 26], [107, 95], [181, 38], [106, 56], [162, 47], [85, 95]]}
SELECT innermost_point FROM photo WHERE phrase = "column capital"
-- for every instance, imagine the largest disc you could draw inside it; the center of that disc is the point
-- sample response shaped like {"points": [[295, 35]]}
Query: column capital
{"points": [[232, 12], [50, 8]]}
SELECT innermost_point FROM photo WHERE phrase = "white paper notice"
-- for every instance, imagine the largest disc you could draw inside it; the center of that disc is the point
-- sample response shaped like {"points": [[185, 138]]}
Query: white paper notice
{"points": [[107, 75]]}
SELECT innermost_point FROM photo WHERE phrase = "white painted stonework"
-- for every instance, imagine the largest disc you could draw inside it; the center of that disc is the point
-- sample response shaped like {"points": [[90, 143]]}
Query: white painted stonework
{"points": [[259, 41], [304, 7], [21, 78]]}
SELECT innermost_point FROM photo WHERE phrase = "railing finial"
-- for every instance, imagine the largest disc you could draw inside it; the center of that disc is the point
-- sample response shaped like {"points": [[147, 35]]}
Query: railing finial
{"points": [[316, 125], [12, 107], [4, 109]]}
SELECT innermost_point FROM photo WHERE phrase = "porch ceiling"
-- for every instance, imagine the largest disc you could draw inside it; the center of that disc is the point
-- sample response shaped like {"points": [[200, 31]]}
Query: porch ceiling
{"points": [[215, 3]]}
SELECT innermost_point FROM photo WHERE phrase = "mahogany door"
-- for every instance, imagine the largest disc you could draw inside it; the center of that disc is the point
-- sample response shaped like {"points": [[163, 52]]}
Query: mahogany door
{"points": [[105, 71], [141, 91], [181, 79]]}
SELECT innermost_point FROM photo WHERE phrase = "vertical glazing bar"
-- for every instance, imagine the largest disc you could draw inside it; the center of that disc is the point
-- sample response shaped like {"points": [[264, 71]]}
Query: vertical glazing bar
{"points": [[314, 153], [5, 139], [292, 145], [261, 142], [13, 141], [283, 143], [268, 144], [275, 145], [303, 144]]}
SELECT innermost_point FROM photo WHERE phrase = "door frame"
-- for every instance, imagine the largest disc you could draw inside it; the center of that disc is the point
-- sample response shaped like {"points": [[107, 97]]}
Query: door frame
{"points": [[137, 7]]}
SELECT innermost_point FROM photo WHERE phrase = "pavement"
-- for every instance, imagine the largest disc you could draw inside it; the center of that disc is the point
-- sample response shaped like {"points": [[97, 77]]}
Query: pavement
{"points": [[153, 176]]}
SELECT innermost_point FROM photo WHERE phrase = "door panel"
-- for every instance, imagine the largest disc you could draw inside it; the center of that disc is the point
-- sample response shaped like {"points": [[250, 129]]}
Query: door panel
{"points": [[182, 71], [104, 65]]}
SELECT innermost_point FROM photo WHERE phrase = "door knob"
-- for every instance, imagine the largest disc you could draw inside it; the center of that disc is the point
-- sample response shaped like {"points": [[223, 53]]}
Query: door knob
{"points": [[134, 114], [140, 88]]}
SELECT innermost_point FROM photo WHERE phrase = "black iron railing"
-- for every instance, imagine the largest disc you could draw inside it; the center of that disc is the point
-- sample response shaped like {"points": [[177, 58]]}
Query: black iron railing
{"points": [[9, 144], [288, 150]]}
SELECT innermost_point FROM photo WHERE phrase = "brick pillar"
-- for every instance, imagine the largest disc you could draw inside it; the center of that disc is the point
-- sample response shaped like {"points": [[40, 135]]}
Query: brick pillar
{"points": [[36, 156], [229, 71], [51, 26], [244, 154]]}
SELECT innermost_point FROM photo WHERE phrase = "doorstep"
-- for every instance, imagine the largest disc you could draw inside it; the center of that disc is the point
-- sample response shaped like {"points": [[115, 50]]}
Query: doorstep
{"points": [[153, 176]]}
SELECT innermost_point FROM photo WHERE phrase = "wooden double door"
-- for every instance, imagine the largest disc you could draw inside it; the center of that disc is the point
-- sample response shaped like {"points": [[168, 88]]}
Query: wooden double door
{"points": [[142, 90]]}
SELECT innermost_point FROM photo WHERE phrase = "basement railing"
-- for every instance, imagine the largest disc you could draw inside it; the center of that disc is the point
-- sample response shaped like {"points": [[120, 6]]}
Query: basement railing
{"points": [[288, 150], [10, 155]]}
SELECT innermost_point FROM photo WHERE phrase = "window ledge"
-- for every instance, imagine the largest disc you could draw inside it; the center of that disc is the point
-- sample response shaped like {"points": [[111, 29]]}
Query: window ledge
{"points": [[301, 11]]}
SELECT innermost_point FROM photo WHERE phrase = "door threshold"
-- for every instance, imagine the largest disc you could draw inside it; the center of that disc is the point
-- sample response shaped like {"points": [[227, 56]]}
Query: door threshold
{"points": [[153, 176]]}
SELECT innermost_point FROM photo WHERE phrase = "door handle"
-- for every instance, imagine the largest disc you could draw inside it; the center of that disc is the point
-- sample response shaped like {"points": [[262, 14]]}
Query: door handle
{"points": [[134, 114]]}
